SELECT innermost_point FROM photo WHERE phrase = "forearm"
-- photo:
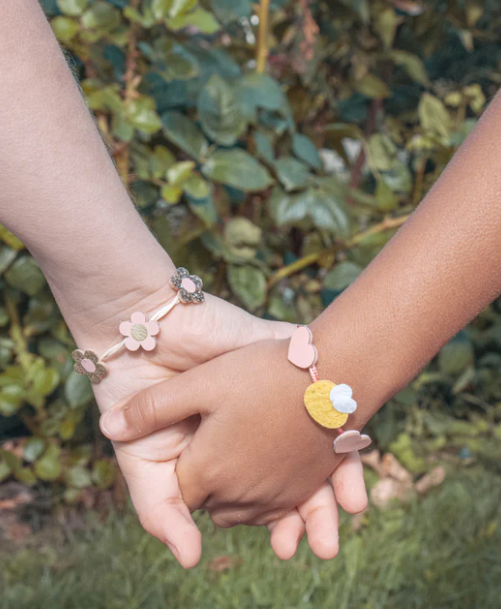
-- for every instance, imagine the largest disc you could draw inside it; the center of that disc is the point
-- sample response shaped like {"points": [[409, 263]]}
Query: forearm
{"points": [[60, 192], [435, 275]]}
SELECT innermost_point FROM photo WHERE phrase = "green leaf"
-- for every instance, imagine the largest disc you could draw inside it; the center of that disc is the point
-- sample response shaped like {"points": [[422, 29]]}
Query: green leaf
{"points": [[183, 132], [181, 6], [361, 7], [385, 25], [264, 147], [342, 275], [306, 150], [67, 429], [434, 117], [104, 474], [412, 65], [249, 284], [49, 467], [32, 449], [7, 257], [5, 470], [65, 28], [160, 9], [237, 168], [372, 86], [264, 92], [102, 16], [78, 477], [45, 380], [142, 114], [220, 113], [25, 276], [180, 172], [171, 194], [200, 19], [25, 476], [204, 209], [78, 390], [242, 237], [196, 187], [11, 399], [456, 356], [231, 10], [382, 151], [292, 174], [399, 178], [73, 8], [385, 196], [160, 161], [326, 210]]}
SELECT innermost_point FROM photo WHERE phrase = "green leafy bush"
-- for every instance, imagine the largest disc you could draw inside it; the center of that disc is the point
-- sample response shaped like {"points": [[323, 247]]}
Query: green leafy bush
{"points": [[278, 184]]}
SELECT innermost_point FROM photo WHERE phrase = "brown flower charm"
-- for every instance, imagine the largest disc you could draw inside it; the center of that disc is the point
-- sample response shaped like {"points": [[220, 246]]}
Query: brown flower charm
{"points": [[87, 364], [189, 286]]}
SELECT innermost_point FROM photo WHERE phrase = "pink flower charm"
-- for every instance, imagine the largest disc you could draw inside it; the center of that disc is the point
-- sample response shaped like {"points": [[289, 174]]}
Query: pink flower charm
{"points": [[87, 364], [139, 332], [189, 286]]}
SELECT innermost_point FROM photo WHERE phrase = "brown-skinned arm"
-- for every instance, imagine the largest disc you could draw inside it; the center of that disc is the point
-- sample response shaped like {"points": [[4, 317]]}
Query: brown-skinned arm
{"points": [[436, 274]]}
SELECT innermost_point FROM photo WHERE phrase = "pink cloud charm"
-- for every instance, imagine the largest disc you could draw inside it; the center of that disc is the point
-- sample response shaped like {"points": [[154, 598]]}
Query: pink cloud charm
{"points": [[139, 332]]}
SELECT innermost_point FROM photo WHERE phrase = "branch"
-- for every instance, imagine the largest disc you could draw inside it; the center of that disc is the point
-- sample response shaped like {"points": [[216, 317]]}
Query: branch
{"points": [[310, 259], [262, 50], [131, 80]]}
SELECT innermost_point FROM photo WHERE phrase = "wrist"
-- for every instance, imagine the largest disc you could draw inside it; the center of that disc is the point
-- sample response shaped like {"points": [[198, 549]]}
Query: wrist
{"points": [[95, 293], [345, 356]]}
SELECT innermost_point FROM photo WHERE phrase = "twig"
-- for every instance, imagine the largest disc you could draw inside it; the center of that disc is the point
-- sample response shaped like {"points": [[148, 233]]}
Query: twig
{"points": [[302, 263], [310, 31], [131, 82], [262, 50], [16, 332]]}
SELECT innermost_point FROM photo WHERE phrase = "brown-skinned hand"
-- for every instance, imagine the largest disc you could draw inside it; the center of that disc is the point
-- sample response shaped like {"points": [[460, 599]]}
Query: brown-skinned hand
{"points": [[257, 453]]}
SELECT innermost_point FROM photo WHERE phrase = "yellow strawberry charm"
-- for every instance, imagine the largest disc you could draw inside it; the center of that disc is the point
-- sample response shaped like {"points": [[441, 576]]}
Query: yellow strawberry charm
{"points": [[318, 402]]}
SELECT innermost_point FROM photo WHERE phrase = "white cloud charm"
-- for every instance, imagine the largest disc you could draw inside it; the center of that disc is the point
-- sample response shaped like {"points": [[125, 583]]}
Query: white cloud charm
{"points": [[341, 399]]}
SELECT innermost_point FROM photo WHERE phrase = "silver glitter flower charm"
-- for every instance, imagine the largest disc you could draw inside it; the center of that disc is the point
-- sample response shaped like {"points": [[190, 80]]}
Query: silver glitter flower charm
{"points": [[189, 286], [87, 364]]}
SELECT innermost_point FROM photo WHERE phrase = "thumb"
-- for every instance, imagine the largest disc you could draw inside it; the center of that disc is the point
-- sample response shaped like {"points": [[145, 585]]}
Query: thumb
{"points": [[264, 329], [156, 407], [155, 493]]}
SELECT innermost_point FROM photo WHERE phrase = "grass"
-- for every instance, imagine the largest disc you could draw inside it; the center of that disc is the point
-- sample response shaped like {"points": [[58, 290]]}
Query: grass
{"points": [[443, 552]]}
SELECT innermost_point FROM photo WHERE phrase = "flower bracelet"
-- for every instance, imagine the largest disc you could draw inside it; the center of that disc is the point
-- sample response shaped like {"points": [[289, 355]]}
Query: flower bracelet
{"points": [[327, 403], [140, 332]]}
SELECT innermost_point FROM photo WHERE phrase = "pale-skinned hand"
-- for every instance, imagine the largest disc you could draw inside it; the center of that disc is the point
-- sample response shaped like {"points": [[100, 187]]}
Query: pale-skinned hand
{"points": [[189, 336], [257, 454]]}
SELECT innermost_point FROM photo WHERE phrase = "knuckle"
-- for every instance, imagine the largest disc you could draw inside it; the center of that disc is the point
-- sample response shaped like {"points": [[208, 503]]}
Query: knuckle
{"points": [[142, 414], [226, 520]]}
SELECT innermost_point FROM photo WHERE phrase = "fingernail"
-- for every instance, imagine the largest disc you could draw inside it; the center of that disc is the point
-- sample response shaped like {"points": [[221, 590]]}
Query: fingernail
{"points": [[113, 423]]}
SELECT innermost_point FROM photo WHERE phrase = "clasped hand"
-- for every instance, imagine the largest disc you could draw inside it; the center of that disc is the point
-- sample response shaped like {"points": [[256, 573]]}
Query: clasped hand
{"points": [[231, 436]]}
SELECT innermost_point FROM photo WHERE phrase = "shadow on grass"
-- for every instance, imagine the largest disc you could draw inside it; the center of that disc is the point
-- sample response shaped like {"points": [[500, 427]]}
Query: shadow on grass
{"points": [[443, 552]]}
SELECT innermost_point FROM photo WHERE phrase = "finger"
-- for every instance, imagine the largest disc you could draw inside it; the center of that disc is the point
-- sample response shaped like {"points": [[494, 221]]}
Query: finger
{"points": [[349, 484], [286, 533], [322, 523], [156, 407], [160, 508]]}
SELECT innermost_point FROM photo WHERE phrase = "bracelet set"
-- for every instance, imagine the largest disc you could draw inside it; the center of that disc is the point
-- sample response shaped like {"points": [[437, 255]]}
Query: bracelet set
{"points": [[140, 332], [327, 403]]}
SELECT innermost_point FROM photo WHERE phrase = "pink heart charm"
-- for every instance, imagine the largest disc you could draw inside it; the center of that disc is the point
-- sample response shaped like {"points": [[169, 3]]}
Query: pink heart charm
{"points": [[301, 352], [350, 441]]}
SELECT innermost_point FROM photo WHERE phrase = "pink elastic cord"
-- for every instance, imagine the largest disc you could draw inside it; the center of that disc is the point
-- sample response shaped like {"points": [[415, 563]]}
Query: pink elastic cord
{"points": [[313, 373]]}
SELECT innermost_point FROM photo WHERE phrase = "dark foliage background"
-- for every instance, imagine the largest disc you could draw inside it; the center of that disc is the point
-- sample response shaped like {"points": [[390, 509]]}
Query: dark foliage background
{"points": [[277, 167]]}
